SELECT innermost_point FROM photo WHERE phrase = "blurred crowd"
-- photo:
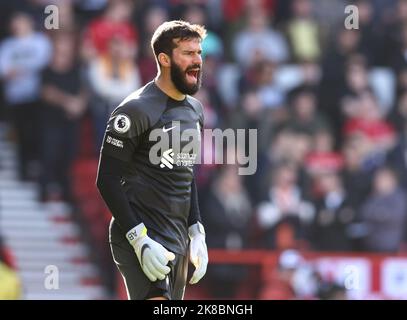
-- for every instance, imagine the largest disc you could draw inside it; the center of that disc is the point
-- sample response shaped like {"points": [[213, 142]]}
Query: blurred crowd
{"points": [[329, 104]]}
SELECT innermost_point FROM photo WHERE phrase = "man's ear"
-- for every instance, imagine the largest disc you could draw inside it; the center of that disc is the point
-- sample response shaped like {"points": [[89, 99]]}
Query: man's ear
{"points": [[164, 60]]}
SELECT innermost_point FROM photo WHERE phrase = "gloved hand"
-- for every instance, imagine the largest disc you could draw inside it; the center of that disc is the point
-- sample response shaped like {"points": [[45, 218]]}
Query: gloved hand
{"points": [[153, 257], [198, 253]]}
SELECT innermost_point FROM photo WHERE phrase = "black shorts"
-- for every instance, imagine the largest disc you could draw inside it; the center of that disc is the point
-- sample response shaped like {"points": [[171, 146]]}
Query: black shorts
{"points": [[138, 286]]}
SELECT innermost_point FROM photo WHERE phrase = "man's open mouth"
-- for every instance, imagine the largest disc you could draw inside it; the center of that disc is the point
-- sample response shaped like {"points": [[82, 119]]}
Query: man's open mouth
{"points": [[193, 73]]}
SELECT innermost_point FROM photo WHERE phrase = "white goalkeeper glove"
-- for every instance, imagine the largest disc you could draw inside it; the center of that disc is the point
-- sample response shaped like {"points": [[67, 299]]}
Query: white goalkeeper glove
{"points": [[198, 253], [153, 257]]}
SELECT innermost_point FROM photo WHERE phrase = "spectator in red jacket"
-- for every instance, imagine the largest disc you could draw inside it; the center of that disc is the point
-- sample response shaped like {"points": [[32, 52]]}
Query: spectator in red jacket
{"points": [[115, 22]]}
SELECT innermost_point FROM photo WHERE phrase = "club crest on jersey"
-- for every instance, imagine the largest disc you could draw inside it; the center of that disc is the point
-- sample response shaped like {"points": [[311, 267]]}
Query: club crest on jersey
{"points": [[121, 123]]}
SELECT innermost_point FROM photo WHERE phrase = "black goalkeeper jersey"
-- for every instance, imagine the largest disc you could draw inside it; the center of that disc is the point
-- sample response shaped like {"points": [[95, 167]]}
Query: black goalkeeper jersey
{"points": [[159, 192]]}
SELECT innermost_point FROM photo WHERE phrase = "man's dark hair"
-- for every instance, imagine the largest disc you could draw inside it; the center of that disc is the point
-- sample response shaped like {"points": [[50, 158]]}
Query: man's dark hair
{"points": [[164, 36]]}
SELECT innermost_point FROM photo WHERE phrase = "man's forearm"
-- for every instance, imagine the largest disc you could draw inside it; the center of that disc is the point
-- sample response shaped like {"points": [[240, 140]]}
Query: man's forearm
{"points": [[111, 190]]}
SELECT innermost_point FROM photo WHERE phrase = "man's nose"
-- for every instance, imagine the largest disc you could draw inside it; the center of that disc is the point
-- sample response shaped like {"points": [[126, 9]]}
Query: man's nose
{"points": [[197, 59]]}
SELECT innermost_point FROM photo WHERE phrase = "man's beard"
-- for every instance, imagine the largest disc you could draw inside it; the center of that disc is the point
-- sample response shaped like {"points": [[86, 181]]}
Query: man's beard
{"points": [[178, 77]]}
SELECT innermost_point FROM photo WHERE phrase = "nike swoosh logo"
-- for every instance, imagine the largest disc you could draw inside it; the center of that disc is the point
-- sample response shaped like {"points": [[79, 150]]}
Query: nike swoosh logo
{"points": [[144, 247], [168, 129]]}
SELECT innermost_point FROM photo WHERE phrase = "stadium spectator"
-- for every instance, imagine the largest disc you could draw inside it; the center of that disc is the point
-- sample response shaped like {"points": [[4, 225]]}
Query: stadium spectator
{"points": [[22, 57], [64, 103], [396, 157], [284, 216], [323, 158], [357, 176], [304, 114], [111, 76], [385, 227], [227, 217], [153, 17], [334, 59], [115, 22], [279, 283], [259, 41], [368, 120], [303, 32], [334, 212]]}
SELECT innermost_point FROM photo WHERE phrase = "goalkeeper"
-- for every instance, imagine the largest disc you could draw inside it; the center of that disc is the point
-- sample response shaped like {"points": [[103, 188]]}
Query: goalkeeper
{"points": [[156, 225]]}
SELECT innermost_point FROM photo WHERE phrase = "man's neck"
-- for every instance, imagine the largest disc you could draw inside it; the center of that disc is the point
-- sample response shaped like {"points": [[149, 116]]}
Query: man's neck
{"points": [[168, 88]]}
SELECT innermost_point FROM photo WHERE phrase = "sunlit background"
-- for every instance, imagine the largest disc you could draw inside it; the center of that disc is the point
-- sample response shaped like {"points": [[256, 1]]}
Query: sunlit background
{"points": [[324, 216]]}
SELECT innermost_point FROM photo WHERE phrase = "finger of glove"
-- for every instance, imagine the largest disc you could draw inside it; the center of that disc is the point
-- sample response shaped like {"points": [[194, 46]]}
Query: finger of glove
{"points": [[169, 255], [203, 253], [164, 255], [196, 275], [194, 260], [194, 255], [159, 266], [154, 271], [199, 271], [148, 273], [161, 256]]}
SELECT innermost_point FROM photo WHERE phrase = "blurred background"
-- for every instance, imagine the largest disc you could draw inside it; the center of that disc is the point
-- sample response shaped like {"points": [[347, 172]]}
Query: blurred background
{"points": [[324, 216]]}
